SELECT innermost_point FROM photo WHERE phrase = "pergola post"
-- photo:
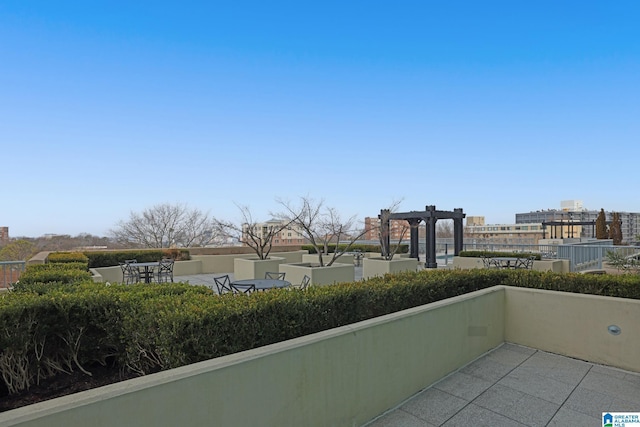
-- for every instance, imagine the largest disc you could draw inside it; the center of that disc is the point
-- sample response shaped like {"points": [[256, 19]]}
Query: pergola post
{"points": [[431, 219], [415, 237], [457, 231]]}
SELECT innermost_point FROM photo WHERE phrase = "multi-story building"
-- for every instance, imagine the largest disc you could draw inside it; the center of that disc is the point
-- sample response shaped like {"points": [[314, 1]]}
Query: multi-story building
{"points": [[572, 211], [507, 234], [4, 235], [398, 229], [290, 235]]}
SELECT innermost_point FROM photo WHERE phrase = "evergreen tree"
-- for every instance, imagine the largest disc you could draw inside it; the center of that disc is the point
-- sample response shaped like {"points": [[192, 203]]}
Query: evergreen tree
{"points": [[615, 230], [601, 226]]}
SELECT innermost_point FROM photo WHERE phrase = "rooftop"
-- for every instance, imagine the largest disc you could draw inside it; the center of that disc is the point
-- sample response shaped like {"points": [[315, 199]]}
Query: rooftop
{"points": [[520, 386]]}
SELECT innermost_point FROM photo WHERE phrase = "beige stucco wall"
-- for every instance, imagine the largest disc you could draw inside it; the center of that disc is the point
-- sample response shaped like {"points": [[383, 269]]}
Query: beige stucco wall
{"points": [[314, 258], [254, 268], [225, 263], [343, 377], [327, 275], [575, 325]]}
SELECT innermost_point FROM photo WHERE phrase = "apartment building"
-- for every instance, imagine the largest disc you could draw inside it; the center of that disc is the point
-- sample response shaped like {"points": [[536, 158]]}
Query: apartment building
{"points": [[398, 229], [507, 234], [290, 235], [572, 211], [4, 235]]}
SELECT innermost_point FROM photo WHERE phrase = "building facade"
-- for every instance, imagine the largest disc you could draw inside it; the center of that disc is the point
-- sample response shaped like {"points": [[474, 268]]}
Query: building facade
{"points": [[398, 229], [290, 235], [573, 211], [4, 235], [505, 234]]}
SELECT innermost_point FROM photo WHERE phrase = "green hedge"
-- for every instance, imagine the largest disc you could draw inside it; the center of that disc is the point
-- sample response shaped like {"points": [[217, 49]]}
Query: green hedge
{"points": [[111, 258], [70, 272], [358, 247], [144, 328], [479, 254], [67, 257]]}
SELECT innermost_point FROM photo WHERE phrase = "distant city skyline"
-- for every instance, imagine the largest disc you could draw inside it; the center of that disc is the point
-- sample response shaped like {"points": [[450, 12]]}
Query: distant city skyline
{"points": [[493, 107], [362, 220]]}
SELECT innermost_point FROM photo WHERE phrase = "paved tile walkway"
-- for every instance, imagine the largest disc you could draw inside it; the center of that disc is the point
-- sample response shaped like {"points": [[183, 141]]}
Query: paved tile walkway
{"points": [[520, 386]]}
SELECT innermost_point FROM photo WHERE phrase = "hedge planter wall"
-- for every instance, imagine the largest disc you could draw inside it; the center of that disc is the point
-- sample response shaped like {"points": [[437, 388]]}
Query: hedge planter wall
{"points": [[372, 267]]}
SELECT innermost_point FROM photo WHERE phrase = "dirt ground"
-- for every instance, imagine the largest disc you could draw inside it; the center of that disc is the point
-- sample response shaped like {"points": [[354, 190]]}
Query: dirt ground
{"points": [[61, 385]]}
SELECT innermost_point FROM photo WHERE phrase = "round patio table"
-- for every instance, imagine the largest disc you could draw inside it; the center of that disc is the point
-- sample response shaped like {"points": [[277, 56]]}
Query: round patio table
{"points": [[263, 284]]}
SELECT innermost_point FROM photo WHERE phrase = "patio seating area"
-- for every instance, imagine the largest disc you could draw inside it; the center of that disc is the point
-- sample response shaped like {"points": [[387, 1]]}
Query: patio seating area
{"points": [[209, 279]]}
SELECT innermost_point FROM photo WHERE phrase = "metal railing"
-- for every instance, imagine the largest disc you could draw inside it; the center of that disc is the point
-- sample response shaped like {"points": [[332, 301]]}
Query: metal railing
{"points": [[10, 272]]}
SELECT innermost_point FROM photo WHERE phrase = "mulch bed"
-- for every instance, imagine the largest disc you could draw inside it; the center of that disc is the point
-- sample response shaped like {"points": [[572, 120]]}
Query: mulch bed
{"points": [[62, 385]]}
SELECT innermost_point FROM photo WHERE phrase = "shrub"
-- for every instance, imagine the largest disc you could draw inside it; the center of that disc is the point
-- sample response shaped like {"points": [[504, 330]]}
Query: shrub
{"points": [[70, 273], [479, 254], [67, 257], [358, 247], [111, 258]]}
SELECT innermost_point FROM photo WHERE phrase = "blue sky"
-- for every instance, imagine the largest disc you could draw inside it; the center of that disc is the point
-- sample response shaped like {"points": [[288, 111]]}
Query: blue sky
{"points": [[495, 107]]}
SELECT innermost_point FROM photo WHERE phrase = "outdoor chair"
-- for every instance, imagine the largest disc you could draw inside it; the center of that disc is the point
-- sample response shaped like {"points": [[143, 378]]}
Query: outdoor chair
{"points": [[129, 261], [271, 275], [243, 289], [526, 263], [490, 262], [304, 284], [223, 283], [130, 275], [165, 270]]}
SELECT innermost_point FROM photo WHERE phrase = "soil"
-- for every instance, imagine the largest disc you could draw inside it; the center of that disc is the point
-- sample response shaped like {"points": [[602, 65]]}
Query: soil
{"points": [[62, 385]]}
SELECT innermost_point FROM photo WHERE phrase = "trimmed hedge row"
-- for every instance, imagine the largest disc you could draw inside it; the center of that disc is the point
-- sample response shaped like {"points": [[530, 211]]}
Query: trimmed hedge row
{"points": [[480, 254], [111, 258], [68, 272], [66, 257], [147, 327], [358, 247]]}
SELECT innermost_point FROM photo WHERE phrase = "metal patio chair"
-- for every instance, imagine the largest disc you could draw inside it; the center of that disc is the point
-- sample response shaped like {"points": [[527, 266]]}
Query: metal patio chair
{"points": [[130, 275], [223, 283], [243, 289], [165, 270], [272, 275], [304, 284]]}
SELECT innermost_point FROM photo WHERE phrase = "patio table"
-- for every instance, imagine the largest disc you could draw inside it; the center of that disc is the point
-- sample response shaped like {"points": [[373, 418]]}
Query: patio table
{"points": [[145, 269], [506, 262]]}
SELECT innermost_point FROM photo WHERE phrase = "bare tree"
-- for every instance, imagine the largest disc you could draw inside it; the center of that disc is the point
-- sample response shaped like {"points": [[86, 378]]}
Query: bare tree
{"points": [[321, 226], [258, 236], [166, 225], [444, 229], [384, 231]]}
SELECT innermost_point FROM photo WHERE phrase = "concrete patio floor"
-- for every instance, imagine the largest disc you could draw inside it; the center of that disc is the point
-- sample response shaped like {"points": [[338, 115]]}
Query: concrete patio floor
{"points": [[519, 386]]}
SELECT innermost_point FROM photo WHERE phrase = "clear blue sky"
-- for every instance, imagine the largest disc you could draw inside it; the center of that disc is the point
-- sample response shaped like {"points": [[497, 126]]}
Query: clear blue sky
{"points": [[496, 107]]}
